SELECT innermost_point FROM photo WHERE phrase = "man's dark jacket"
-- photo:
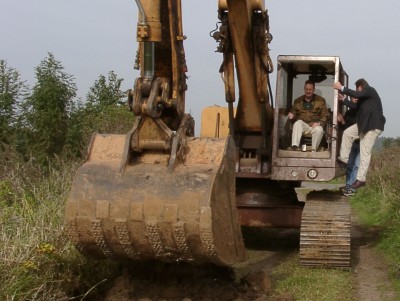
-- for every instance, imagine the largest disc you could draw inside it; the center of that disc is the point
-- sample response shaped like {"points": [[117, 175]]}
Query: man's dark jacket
{"points": [[369, 109]]}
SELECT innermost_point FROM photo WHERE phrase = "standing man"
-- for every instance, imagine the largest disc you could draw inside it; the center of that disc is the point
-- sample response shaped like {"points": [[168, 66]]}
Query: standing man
{"points": [[311, 115], [350, 118], [370, 124]]}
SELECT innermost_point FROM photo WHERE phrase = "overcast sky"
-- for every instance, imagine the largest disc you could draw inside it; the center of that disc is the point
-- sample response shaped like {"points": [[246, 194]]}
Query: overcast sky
{"points": [[93, 37]]}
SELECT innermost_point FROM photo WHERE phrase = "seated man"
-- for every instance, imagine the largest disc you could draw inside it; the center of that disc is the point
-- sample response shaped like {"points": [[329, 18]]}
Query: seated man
{"points": [[311, 115]]}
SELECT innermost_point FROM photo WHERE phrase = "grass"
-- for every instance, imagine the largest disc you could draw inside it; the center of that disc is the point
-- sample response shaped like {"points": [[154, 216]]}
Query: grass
{"points": [[38, 262], [310, 284], [377, 205]]}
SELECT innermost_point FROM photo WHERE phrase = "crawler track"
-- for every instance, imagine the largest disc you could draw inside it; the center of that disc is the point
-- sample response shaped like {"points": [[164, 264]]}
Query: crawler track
{"points": [[325, 231]]}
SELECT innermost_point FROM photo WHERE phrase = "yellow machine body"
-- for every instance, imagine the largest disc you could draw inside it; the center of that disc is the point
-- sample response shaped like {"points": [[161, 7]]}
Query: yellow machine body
{"points": [[159, 193]]}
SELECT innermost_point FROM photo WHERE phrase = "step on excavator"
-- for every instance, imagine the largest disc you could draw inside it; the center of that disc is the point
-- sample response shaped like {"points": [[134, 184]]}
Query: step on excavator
{"points": [[160, 193]]}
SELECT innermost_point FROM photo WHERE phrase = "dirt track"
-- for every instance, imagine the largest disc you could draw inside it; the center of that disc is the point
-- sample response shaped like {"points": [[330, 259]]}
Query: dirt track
{"points": [[250, 280], [370, 272], [245, 282]]}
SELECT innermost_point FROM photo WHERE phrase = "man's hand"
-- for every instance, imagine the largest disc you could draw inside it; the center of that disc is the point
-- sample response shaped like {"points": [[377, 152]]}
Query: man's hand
{"points": [[337, 86], [340, 118], [341, 97], [290, 115]]}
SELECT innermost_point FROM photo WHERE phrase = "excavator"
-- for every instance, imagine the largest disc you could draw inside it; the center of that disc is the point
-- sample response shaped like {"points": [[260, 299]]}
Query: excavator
{"points": [[160, 193]]}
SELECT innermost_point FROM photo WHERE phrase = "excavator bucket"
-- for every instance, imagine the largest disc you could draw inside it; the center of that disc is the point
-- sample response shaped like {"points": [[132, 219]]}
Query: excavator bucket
{"points": [[144, 211]]}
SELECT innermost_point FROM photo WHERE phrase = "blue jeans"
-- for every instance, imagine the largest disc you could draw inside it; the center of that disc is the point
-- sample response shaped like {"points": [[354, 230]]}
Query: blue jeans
{"points": [[352, 164]]}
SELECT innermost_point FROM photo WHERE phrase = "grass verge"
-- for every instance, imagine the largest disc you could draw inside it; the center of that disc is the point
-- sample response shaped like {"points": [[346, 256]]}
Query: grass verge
{"points": [[309, 284], [377, 205]]}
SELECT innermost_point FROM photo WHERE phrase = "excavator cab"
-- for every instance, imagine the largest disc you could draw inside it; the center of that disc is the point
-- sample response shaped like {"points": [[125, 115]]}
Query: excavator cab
{"points": [[326, 217], [305, 165]]}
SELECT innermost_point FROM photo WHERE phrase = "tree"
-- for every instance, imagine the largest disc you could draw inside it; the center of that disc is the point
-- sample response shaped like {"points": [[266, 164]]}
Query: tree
{"points": [[105, 92], [12, 91], [104, 111], [47, 110]]}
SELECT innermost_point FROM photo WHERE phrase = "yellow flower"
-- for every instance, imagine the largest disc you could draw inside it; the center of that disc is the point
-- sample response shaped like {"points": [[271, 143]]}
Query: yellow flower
{"points": [[46, 249], [30, 265]]}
